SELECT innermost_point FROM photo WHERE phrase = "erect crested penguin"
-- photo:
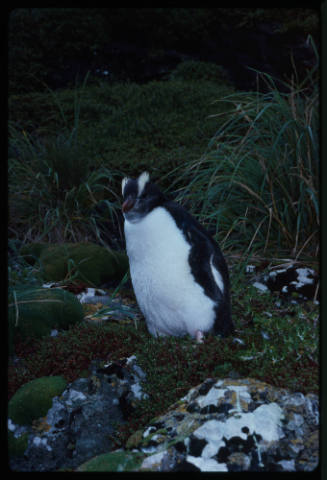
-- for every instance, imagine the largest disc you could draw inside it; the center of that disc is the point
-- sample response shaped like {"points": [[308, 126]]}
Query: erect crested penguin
{"points": [[179, 275]]}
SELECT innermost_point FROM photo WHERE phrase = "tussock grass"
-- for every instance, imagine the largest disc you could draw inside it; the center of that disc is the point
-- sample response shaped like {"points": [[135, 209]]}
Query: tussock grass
{"points": [[258, 182], [53, 191], [56, 191]]}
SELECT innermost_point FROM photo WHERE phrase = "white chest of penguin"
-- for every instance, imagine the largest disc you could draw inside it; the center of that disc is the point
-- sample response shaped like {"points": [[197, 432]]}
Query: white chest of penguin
{"points": [[166, 291]]}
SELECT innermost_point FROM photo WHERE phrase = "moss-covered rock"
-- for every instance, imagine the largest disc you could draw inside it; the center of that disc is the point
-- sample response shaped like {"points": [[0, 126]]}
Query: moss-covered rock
{"points": [[119, 461], [33, 399], [86, 262], [35, 312], [17, 446]]}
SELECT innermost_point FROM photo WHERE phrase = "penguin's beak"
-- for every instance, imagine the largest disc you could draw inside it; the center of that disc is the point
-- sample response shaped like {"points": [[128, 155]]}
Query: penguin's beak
{"points": [[128, 204]]}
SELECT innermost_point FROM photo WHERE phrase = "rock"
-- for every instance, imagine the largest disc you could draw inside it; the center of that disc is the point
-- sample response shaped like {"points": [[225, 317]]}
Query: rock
{"points": [[153, 461], [87, 262], [33, 399], [106, 307], [234, 425], [80, 424], [36, 312], [292, 281], [220, 425]]}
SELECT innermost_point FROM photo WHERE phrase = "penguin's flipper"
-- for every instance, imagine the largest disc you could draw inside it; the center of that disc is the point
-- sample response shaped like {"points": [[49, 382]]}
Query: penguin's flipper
{"points": [[207, 264]]}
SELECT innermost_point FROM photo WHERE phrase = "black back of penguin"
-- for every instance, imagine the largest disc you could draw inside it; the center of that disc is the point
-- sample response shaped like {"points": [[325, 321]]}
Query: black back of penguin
{"points": [[143, 203], [208, 266]]}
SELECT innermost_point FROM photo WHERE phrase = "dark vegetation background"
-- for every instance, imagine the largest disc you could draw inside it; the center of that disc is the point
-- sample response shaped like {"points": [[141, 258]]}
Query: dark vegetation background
{"points": [[221, 106], [54, 44], [95, 94]]}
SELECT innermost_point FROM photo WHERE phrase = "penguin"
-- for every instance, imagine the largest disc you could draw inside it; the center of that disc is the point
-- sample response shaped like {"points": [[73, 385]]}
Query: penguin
{"points": [[179, 275]]}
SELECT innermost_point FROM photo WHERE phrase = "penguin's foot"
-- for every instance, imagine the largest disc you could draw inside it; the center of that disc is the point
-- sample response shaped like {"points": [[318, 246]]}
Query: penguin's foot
{"points": [[199, 336]]}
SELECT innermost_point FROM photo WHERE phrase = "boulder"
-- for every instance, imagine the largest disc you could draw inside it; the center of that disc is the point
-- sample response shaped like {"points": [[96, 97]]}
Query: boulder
{"points": [[35, 312], [85, 262], [234, 425]]}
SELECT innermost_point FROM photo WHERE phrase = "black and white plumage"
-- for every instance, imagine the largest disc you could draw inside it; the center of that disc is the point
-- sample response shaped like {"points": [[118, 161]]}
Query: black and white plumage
{"points": [[179, 275]]}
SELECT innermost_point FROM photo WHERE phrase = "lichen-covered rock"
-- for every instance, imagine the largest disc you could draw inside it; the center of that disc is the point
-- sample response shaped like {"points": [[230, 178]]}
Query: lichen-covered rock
{"points": [[33, 399], [35, 312], [80, 424], [117, 461], [234, 425], [220, 425], [86, 262], [292, 282]]}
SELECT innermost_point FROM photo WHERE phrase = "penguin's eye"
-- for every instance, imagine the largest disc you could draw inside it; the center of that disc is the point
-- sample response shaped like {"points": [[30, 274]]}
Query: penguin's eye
{"points": [[143, 195]]}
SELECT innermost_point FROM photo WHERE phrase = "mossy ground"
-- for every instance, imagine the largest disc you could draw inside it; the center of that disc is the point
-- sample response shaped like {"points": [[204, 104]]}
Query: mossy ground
{"points": [[280, 345]]}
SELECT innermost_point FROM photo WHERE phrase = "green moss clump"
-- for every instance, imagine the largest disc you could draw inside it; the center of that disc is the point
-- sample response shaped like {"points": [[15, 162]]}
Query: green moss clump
{"points": [[35, 312], [86, 262], [113, 462], [32, 252], [17, 446], [33, 399]]}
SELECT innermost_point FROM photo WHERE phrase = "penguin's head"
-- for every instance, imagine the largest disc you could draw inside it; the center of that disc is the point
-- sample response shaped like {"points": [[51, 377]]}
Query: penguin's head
{"points": [[140, 197]]}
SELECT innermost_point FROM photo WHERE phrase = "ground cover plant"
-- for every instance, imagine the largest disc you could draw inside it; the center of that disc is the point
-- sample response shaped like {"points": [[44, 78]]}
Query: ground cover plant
{"points": [[275, 341]]}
